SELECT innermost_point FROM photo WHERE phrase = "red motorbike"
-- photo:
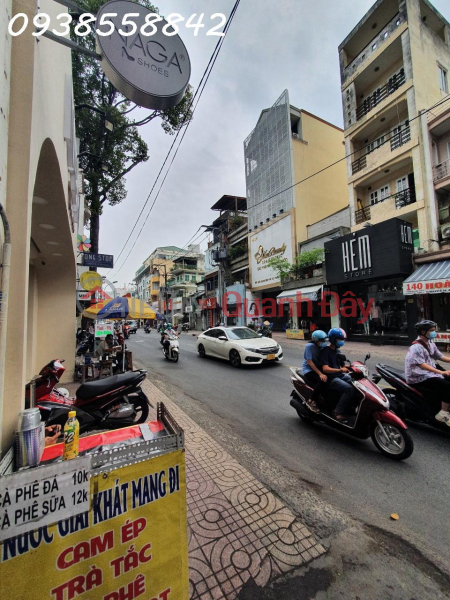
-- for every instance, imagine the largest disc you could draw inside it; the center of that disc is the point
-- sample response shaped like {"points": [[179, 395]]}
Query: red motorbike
{"points": [[110, 403], [372, 415]]}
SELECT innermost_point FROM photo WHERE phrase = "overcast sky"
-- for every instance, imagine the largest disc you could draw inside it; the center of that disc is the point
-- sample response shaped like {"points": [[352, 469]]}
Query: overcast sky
{"points": [[271, 46]]}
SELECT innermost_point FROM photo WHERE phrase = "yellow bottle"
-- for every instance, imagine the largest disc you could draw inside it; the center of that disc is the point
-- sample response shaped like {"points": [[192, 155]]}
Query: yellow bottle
{"points": [[71, 436]]}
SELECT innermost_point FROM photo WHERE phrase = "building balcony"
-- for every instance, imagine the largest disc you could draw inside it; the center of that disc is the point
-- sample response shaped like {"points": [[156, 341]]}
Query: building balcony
{"points": [[381, 93], [441, 171], [381, 39], [180, 267], [395, 138], [398, 200]]}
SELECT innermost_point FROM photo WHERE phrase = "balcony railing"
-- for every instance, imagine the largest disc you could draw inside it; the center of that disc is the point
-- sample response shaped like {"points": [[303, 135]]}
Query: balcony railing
{"points": [[441, 171], [402, 199], [392, 85], [359, 164], [397, 139], [374, 45]]}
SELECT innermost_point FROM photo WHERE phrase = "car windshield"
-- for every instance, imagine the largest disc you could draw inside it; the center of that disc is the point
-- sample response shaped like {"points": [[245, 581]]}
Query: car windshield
{"points": [[243, 333]]}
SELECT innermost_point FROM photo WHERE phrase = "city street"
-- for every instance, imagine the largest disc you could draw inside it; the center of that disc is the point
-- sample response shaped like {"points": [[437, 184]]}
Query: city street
{"points": [[349, 474]]}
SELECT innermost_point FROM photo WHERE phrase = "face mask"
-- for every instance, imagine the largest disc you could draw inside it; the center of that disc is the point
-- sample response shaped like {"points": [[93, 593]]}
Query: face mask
{"points": [[340, 343], [323, 344], [432, 335]]}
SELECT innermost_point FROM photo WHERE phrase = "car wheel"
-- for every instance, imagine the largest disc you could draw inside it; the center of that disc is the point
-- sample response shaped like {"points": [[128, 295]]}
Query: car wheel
{"points": [[201, 351], [235, 359]]}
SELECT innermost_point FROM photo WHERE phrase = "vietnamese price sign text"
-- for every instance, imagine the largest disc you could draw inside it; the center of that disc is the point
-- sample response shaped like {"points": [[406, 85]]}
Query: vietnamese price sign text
{"points": [[37, 497]]}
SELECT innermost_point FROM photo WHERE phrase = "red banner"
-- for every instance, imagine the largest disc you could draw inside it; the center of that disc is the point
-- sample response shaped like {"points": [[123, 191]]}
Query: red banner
{"points": [[170, 305]]}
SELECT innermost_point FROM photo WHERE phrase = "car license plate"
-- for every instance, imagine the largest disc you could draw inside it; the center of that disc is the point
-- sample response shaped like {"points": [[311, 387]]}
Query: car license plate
{"points": [[271, 356]]}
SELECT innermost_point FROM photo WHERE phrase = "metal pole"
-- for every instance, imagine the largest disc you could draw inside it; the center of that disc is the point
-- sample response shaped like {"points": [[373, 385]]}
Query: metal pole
{"points": [[6, 267]]}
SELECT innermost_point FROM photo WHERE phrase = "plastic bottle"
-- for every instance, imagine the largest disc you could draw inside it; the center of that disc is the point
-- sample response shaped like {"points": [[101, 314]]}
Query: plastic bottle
{"points": [[71, 436]]}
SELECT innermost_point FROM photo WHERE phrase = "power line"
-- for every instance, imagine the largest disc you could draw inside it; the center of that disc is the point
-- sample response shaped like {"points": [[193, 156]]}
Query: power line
{"points": [[198, 92], [341, 159]]}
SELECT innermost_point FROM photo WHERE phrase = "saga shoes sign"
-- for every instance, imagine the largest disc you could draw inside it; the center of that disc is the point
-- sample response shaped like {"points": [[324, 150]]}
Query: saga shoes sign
{"points": [[148, 66]]}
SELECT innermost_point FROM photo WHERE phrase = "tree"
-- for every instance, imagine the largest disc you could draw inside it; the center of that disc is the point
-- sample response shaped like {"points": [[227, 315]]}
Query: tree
{"points": [[107, 156], [281, 266], [302, 263]]}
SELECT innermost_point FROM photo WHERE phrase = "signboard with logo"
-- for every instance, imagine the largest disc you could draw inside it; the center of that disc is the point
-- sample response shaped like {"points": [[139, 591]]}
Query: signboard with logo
{"points": [[98, 260], [272, 241], [148, 67], [383, 250], [207, 303], [90, 280]]}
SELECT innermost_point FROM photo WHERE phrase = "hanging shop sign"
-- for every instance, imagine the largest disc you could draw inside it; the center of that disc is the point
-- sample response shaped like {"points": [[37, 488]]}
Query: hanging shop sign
{"points": [[98, 260], [207, 303], [90, 280], [382, 250], [146, 65], [130, 541], [274, 241]]}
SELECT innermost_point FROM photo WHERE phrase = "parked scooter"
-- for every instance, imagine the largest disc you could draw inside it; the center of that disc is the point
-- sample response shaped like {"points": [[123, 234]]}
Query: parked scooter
{"points": [[110, 403], [406, 401], [185, 327], [373, 417], [86, 345], [173, 351]]}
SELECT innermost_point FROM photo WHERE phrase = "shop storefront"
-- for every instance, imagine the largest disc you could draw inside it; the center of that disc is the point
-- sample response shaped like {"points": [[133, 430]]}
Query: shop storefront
{"points": [[429, 288], [303, 310], [371, 265]]}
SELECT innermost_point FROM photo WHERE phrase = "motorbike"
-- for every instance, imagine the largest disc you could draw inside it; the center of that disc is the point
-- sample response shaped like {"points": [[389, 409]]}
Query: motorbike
{"points": [[126, 332], [372, 419], [86, 345], [406, 401], [111, 403], [147, 329], [173, 352], [185, 327]]}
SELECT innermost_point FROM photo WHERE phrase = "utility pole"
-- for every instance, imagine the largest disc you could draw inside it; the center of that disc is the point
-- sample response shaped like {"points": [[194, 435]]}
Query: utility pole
{"points": [[155, 268], [220, 275]]}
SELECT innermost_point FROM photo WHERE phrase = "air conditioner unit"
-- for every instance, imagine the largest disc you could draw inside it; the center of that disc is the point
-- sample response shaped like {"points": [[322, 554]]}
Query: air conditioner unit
{"points": [[445, 232]]}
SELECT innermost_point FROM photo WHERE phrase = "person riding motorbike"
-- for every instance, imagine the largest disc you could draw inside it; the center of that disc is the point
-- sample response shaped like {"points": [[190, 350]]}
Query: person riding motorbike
{"points": [[421, 371], [266, 329], [310, 368], [338, 377], [169, 334]]}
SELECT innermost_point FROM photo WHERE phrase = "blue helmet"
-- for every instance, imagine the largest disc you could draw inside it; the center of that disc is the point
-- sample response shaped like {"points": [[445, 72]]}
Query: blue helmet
{"points": [[318, 335], [337, 333]]}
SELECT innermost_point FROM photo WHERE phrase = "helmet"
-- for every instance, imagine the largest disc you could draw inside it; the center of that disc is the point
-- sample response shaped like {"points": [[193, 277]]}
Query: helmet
{"points": [[423, 326], [318, 335], [169, 326], [337, 333]]}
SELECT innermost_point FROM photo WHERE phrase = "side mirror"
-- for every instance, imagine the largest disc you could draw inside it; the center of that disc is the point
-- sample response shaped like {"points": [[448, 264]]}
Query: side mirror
{"points": [[223, 338], [367, 357]]}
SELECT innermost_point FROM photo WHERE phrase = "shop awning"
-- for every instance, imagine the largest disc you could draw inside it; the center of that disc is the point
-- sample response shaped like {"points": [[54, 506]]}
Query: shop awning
{"points": [[307, 293], [430, 278]]}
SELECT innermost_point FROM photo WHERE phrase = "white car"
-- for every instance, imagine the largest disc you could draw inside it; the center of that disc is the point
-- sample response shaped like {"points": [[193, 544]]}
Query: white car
{"points": [[239, 345]]}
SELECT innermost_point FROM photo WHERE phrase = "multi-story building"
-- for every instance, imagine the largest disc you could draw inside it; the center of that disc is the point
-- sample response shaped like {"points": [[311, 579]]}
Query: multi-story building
{"points": [[287, 147], [394, 67], [187, 271]]}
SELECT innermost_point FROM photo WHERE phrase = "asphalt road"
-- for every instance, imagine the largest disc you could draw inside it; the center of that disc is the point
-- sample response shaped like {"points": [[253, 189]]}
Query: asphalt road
{"points": [[348, 473]]}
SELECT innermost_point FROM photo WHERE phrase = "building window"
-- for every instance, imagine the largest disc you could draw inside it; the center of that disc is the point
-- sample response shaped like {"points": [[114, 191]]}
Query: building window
{"points": [[194, 278], [443, 80], [374, 197], [448, 150], [186, 277], [384, 192]]}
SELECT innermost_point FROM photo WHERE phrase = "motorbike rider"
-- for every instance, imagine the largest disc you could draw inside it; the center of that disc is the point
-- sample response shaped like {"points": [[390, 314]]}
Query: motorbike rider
{"points": [[421, 371], [310, 368], [169, 334], [338, 377]]}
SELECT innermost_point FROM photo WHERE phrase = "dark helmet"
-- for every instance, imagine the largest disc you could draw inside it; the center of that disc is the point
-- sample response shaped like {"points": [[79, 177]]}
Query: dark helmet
{"points": [[337, 333], [423, 326]]}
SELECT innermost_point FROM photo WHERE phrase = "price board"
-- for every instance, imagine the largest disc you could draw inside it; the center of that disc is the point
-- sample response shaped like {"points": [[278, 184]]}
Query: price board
{"points": [[36, 497]]}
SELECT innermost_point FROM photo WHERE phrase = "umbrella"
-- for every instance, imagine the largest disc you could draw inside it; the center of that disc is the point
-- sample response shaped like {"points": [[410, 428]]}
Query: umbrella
{"points": [[120, 308], [178, 315]]}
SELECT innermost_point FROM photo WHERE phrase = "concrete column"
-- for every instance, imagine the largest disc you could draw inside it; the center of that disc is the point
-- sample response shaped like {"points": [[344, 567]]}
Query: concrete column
{"points": [[18, 204]]}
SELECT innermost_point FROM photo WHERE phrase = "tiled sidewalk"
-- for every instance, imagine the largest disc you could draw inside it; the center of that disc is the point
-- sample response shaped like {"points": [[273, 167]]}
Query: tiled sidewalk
{"points": [[237, 528]]}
